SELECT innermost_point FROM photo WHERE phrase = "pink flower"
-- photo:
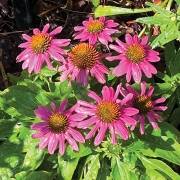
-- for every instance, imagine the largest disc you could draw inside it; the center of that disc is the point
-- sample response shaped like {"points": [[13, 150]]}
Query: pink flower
{"points": [[82, 60], [145, 105], [94, 30], [58, 127], [108, 113], [135, 57], [41, 47]]}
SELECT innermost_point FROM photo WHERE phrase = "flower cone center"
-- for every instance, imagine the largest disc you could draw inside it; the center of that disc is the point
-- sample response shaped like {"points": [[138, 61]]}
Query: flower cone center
{"points": [[58, 123], [135, 53], [95, 26], [108, 111], [143, 104], [40, 43], [84, 56]]}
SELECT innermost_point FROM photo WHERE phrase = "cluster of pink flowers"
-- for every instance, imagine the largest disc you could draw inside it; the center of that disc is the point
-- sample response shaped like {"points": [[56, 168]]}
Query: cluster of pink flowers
{"points": [[107, 113], [82, 62]]}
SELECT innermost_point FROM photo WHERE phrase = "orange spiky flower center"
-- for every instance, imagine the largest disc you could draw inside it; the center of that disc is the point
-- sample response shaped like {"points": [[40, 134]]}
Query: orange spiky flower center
{"points": [[135, 53], [95, 26], [84, 56], [108, 111], [40, 43], [143, 104], [58, 123]]}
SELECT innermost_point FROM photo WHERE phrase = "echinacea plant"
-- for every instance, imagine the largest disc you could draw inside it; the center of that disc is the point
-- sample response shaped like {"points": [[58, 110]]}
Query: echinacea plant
{"points": [[78, 118]]}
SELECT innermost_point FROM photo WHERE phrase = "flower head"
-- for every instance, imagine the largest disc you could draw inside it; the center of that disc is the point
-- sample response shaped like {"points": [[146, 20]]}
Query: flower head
{"points": [[41, 47], [58, 127], [96, 29], [146, 106], [135, 57], [108, 113], [82, 60]]}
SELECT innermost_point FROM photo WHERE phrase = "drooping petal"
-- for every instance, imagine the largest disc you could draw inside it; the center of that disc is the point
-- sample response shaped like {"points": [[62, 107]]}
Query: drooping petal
{"points": [[62, 147], [100, 136], [53, 141]]}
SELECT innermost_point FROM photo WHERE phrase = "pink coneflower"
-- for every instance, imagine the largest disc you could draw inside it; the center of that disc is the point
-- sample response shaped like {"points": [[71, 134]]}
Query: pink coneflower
{"points": [[41, 47], [145, 105], [135, 57], [58, 127], [94, 30], [84, 59], [108, 113]]}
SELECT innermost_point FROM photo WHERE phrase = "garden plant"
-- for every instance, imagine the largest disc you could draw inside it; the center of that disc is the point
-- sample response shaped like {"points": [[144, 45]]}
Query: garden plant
{"points": [[98, 108]]}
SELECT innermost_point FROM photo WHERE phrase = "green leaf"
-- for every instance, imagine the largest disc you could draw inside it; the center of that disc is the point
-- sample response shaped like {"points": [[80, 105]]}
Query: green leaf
{"points": [[174, 118], [66, 168], [37, 154], [93, 166], [95, 2], [175, 70], [113, 10], [80, 91], [158, 166], [120, 170], [155, 20], [7, 127], [159, 145], [104, 171], [39, 175], [160, 10], [170, 33], [45, 72], [170, 54]]}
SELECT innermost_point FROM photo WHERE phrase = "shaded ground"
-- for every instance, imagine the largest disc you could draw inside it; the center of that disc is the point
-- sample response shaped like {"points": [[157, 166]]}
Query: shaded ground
{"points": [[23, 15]]}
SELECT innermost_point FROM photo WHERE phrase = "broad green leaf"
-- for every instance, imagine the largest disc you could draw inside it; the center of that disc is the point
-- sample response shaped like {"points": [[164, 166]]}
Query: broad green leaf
{"points": [[93, 166], [46, 72], [163, 88], [22, 175], [159, 145], [104, 171], [176, 70], [158, 166], [7, 127], [113, 10], [95, 2], [80, 91], [155, 175], [37, 154], [174, 118], [120, 170], [170, 54], [11, 157], [66, 168], [39, 175], [154, 20], [163, 76]]}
